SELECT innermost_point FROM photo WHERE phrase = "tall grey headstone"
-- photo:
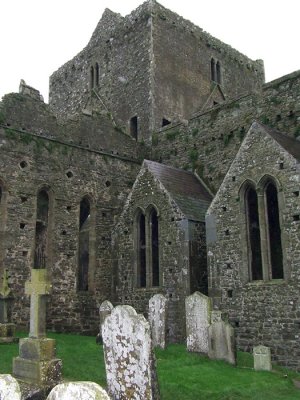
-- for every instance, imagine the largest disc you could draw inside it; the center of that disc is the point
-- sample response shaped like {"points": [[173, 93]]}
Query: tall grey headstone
{"points": [[129, 358], [9, 388], [221, 339], [105, 309], [78, 391], [157, 320], [198, 309], [262, 358]]}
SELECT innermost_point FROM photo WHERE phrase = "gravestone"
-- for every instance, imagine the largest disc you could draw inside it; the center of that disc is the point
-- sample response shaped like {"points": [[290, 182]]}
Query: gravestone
{"points": [[7, 329], [198, 309], [221, 339], [37, 362], [9, 388], [157, 320], [129, 357], [78, 391], [262, 358], [105, 309]]}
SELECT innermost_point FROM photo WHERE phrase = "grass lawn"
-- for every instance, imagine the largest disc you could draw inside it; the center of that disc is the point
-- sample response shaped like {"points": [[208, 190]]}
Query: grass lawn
{"points": [[182, 375]]}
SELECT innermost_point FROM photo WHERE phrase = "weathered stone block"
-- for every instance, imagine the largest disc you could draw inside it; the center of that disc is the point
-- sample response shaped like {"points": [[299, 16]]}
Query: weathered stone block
{"points": [[221, 340], [157, 320], [7, 333], [198, 309], [9, 388], [129, 357], [262, 358], [37, 349], [78, 391], [46, 373]]}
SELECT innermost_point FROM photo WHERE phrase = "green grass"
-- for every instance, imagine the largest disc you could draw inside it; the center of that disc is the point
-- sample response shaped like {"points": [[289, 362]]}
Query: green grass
{"points": [[182, 375]]}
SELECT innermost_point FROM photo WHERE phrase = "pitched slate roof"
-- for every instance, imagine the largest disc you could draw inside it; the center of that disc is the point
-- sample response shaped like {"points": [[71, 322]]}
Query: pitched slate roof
{"points": [[290, 144], [185, 189]]}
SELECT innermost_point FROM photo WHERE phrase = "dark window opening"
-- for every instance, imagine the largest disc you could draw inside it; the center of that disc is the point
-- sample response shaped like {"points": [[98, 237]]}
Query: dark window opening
{"points": [[92, 78], [165, 122], [97, 74], [84, 245], [218, 73], [134, 127], [274, 232], [41, 230], [212, 70], [296, 217], [255, 258], [155, 248], [142, 251]]}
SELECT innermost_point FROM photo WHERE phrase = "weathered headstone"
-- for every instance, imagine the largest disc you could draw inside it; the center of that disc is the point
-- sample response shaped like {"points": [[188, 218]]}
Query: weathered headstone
{"points": [[105, 309], [78, 391], [198, 309], [37, 362], [221, 339], [262, 358], [7, 329], [129, 358], [157, 320], [9, 388]]}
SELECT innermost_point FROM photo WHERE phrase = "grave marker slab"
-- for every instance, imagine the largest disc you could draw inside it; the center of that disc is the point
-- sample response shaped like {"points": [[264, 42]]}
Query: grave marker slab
{"points": [[262, 358], [157, 320], [129, 357], [198, 309], [78, 391], [105, 309], [9, 388], [221, 339]]}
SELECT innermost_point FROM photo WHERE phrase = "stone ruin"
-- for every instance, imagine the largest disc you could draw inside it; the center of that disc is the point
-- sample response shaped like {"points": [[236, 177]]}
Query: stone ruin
{"points": [[198, 311], [129, 357], [221, 339], [157, 319]]}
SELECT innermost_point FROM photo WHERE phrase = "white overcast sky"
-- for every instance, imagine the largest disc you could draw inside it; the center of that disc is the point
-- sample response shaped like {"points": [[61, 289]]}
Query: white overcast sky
{"points": [[38, 36]]}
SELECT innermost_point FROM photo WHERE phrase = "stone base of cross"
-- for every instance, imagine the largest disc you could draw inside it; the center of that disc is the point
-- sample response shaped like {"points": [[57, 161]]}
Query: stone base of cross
{"points": [[37, 362]]}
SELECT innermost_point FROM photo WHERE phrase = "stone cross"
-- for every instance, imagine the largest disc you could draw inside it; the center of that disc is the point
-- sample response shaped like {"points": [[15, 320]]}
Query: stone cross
{"points": [[38, 288]]}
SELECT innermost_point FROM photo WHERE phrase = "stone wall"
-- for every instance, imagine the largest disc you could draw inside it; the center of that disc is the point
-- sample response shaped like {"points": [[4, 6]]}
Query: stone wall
{"points": [[37, 152], [262, 311], [210, 140], [152, 64], [176, 238]]}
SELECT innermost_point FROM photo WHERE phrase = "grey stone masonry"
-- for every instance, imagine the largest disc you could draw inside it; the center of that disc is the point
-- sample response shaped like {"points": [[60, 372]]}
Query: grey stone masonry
{"points": [[221, 339], [129, 357], [7, 329], [198, 309], [157, 319], [262, 358]]}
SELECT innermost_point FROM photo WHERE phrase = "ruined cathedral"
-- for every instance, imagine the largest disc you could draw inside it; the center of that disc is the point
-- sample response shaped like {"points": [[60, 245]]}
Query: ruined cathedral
{"points": [[163, 163]]}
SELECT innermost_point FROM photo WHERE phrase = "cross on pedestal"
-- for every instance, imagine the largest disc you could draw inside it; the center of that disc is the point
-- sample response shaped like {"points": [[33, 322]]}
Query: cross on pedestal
{"points": [[38, 288]]}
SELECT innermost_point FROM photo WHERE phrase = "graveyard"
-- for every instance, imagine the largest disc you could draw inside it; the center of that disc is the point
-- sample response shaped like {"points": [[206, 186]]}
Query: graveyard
{"points": [[182, 375]]}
